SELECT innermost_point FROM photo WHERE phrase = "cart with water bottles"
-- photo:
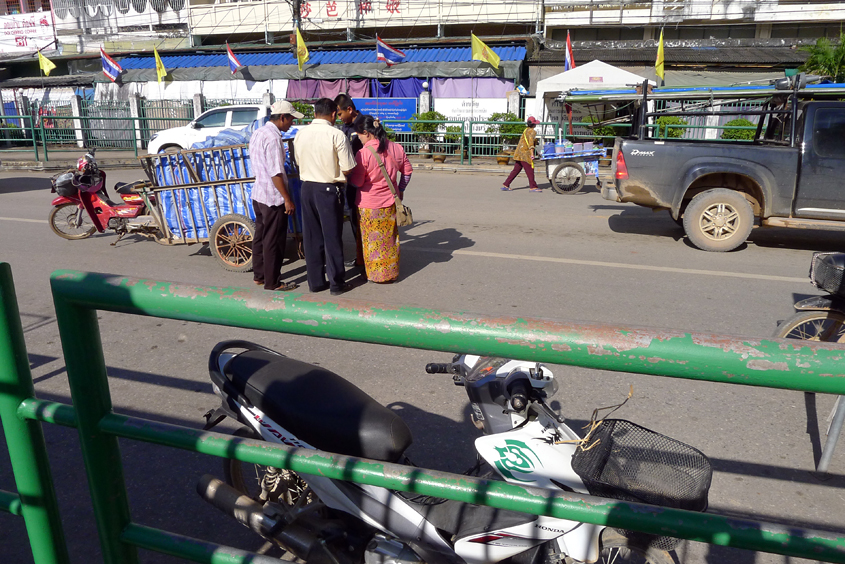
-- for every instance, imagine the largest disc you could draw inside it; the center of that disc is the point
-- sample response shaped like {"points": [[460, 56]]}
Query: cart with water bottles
{"points": [[568, 165], [203, 195]]}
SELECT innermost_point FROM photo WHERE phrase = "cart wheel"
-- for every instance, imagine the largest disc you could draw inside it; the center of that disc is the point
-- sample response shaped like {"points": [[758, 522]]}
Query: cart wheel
{"points": [[568, 178], [230, 240]]}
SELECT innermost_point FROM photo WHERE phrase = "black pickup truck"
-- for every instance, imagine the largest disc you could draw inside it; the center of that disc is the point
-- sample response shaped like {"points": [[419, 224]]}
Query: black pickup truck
{"points": [[718, 190]]}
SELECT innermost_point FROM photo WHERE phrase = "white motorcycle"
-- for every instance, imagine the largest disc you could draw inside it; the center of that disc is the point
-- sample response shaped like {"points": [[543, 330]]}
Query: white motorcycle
{"points": [[320, 520]]}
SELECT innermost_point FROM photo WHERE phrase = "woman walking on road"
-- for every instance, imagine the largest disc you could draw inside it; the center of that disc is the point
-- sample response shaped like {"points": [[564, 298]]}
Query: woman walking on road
{"points": [[524, 157], [376, 172]]}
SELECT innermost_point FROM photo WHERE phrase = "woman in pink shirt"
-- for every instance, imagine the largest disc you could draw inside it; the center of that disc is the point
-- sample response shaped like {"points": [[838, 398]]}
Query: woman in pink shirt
{"points": [[375, 201]]}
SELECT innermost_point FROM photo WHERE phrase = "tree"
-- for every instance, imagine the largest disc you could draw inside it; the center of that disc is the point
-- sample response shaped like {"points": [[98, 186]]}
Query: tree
{"points": [[826, 59]]}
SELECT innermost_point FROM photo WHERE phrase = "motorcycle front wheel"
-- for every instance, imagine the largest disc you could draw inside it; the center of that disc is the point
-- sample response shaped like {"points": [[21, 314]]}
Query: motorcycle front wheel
{"points": [[826, 326], [63, 221], [263, 483], [619, 549]]}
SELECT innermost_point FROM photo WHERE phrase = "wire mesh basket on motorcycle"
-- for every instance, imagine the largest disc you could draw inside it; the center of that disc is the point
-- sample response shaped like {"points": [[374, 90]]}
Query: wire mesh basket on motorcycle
{"points": [[625, 461], [827, 271]]}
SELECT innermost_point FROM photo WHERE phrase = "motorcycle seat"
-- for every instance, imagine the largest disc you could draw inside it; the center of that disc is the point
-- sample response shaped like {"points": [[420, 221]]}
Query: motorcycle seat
{"points": [[318, 406], [124, 187]]}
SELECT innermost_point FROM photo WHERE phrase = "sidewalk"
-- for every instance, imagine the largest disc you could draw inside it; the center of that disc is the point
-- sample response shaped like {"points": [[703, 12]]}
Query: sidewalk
{"points": [[63, 159]]}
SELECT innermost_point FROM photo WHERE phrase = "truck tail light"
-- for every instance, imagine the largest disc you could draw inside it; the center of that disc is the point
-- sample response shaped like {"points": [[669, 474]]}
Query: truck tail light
{"points": [[621, 167]]}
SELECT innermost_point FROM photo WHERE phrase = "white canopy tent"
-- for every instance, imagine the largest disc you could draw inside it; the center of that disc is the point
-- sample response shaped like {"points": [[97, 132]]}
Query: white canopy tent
{"points": [[594, 75]]}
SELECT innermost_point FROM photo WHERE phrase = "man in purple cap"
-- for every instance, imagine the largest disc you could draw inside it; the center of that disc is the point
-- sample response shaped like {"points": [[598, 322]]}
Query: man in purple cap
{"points": [[524, 157], [271, 198]]}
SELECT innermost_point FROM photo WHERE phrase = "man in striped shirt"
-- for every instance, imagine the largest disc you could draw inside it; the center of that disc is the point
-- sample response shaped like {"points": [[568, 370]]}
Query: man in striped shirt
{"points": [[270, 197]]}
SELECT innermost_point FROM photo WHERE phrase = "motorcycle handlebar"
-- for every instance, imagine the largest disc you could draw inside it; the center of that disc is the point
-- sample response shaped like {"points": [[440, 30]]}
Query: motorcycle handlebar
{"points": [[443, 368], [519, 392]]}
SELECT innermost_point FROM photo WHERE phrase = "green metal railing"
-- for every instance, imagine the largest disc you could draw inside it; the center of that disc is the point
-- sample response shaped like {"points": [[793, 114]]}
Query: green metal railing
{"points": [[794, 365], [161, 114], [209, 104], [102, 129], [677, 131], [467, 140], [20, 138]]}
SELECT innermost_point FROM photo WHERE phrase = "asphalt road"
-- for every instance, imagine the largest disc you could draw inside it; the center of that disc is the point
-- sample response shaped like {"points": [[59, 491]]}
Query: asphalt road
{"points": [[475, 249]]}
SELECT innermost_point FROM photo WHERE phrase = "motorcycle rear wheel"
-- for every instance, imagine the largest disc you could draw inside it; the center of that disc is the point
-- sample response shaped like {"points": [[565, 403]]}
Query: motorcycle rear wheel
{"points": [[252, 479], [619, 549], [826, 326], [62, 219]]}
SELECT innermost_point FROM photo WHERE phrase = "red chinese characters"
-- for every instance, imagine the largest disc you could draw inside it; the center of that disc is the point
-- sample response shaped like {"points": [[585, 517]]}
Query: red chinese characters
{"points": [[305, 9], [392, 6], [365, 7], [331, 9]]}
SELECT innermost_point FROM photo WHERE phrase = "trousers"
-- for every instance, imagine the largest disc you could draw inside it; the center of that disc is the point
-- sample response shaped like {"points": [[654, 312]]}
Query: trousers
{"points": [[529, 172], [322, 228], [268, 245], [355, 222]]}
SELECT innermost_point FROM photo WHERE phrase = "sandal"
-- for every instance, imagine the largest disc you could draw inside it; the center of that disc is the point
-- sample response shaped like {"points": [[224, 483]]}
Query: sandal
{"points": [[287, 286], [259, 282], [505, 189], [535, 190]]}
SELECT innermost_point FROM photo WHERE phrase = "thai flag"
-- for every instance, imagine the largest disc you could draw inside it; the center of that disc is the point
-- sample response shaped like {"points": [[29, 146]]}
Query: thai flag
{"points": [[570, 59], [110, 67], [234, 64], [388, 54]]}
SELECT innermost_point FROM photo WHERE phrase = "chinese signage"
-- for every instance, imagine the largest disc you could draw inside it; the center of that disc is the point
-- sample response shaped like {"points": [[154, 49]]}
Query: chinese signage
{"points": [[325, 11], [471, 109], [388, 108], [26, 33]]}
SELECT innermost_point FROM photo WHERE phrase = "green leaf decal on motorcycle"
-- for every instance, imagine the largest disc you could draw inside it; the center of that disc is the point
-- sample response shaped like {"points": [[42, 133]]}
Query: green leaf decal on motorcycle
{"points": [[516, 458]]}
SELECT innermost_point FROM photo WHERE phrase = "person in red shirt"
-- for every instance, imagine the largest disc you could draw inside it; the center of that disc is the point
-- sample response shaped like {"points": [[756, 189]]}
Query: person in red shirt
{"points": [[375, 200]]}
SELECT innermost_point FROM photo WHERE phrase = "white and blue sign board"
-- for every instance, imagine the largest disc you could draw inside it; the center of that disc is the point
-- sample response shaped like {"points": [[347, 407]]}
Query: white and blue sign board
{"points": [[388, 108]]}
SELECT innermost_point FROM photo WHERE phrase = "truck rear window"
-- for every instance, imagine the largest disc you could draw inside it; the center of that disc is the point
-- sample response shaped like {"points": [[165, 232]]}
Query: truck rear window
{"points": [[829, 133]]}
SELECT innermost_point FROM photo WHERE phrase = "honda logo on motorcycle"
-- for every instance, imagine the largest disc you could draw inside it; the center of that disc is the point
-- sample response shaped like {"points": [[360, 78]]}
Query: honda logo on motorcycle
{"points": [[516, 457]]}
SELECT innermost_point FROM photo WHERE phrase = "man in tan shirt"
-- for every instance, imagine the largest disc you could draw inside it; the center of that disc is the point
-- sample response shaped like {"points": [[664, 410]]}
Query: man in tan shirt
{"points": [[325, 158]]}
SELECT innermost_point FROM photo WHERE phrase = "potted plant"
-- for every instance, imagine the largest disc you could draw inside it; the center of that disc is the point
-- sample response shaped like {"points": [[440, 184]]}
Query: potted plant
{"points": [[509, 129], [425, 132], [454, 139]]}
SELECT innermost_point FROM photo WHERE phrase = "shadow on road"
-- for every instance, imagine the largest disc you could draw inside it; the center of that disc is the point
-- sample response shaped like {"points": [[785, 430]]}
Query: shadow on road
{"points": [[642, 221], [427, 248], [24, 184]]}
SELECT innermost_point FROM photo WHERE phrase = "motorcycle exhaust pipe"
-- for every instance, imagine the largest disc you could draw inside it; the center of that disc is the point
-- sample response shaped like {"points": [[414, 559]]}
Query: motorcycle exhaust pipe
{"points": [[301, 542], [230, 501]]}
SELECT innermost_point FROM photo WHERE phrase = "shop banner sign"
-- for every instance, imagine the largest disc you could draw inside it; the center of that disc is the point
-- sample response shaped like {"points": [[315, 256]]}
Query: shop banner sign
{"points": [[388, 108], [471, 109], [26, 33]]}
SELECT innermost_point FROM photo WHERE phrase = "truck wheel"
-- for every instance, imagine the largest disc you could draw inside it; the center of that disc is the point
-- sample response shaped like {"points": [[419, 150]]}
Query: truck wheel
{"points": [[718, 220], [568, 178], [230, 240]]}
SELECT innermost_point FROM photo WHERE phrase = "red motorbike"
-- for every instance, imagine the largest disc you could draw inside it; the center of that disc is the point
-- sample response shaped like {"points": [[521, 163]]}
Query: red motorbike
{"points": [[83, 205]]}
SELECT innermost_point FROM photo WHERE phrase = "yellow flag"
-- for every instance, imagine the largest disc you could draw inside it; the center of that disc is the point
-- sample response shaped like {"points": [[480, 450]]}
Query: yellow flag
{"points": [[301, 50], [46, 64], [658, 64], [161, 72], [481, 52]]}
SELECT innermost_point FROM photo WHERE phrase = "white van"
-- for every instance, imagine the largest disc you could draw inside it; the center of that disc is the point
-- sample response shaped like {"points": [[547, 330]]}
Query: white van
{"points": [[206, 125]]}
